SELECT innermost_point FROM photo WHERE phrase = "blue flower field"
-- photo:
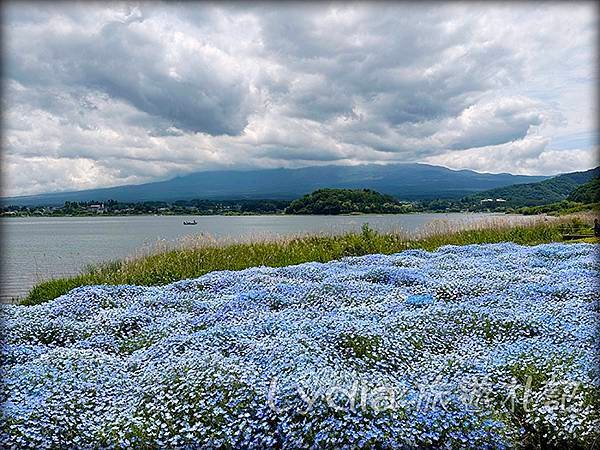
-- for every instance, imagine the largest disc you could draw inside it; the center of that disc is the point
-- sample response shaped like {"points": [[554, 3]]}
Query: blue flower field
{"points": [[480, 346]]}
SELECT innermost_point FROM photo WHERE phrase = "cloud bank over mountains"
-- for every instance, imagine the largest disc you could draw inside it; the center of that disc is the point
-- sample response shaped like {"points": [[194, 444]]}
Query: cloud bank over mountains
{"points": [[107, 94]]}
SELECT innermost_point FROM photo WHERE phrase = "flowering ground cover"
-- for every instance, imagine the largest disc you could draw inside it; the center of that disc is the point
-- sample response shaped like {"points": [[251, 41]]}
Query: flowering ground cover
{"points": [[481, 346]]}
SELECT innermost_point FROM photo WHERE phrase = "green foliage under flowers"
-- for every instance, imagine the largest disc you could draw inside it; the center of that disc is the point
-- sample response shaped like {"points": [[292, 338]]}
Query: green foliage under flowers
{"points": [[357, 346]]}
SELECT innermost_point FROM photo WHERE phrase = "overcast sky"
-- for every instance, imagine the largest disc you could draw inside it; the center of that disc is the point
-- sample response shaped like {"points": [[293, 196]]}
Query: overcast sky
{"points": [[109, 94]]}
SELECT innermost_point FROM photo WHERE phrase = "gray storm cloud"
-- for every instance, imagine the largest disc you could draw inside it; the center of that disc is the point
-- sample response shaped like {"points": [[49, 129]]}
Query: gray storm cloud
{"points": [[98, 95]]}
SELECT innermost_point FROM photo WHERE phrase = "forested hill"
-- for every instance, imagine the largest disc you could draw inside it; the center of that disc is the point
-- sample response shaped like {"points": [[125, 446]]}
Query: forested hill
{"points": [[346, 201], [543, 192], [587, 193]]}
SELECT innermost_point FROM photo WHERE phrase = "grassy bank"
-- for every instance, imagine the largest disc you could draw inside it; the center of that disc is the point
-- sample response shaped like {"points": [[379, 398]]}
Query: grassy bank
{"points": [[194, 259], [562, 208]]}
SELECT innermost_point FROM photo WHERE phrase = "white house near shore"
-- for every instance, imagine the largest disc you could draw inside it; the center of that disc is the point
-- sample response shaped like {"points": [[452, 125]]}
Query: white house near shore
{"points": [[97, 208]]}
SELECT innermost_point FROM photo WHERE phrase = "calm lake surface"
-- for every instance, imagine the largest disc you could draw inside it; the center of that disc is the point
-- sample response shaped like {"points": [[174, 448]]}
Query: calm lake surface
{"points": [[39, 248]]}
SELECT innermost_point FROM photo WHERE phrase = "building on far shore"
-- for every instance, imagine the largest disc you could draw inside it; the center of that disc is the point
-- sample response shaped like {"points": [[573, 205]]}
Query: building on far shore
{"points": [[99, 209], [492, 200]]}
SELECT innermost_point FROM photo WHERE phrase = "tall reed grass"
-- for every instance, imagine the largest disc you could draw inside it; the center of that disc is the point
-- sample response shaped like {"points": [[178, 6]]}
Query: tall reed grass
{"points": [[195, 256]]}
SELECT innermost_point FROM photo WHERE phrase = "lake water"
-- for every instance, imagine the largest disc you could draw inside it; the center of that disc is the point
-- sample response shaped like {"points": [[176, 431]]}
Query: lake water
{"points": [[39, 248]]}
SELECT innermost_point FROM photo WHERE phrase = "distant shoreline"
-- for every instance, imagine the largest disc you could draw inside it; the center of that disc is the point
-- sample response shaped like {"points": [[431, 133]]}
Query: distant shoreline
{"points": [[15, 216]]}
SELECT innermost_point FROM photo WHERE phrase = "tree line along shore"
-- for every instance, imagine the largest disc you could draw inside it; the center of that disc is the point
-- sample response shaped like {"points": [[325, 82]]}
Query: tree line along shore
{"points": [[327, 202]]}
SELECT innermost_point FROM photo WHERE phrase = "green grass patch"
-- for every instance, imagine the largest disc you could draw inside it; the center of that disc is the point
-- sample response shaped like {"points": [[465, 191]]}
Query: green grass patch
{"points": [[357, 346], [181, 263]]}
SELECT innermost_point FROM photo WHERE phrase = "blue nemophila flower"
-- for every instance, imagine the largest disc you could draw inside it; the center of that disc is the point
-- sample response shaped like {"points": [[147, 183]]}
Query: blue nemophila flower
{"points": [[420, 300], [479, 346]]}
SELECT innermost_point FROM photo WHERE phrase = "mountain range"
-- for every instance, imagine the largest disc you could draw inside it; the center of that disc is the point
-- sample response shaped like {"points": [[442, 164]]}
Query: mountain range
{"points": [[404, 181]]}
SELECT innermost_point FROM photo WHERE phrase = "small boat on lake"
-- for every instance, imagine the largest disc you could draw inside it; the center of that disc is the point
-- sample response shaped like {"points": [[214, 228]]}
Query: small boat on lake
{"points": [[193, 222]]}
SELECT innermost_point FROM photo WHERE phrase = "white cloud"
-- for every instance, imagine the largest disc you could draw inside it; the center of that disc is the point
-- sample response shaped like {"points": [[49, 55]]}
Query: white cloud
{"points": [[528, 156], [107, 94]]}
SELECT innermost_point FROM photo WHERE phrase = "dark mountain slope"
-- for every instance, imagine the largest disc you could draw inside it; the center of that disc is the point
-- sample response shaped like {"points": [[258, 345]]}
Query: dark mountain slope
{"points": [[404, 181]]}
